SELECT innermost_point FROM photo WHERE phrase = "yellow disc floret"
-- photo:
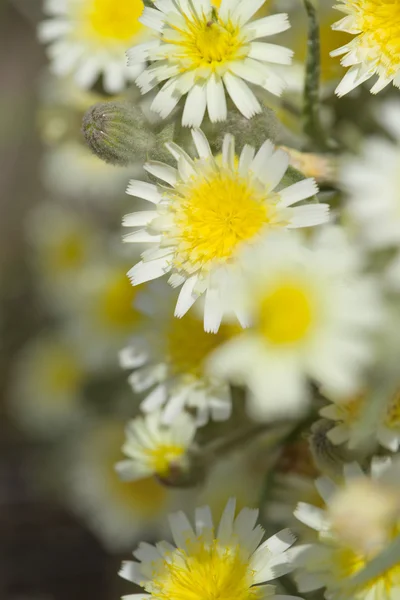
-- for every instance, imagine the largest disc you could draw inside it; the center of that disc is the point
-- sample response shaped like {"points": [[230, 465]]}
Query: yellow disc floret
{"points": [[116, 303], [114, 20], [392, 419], [188, 345], [205, 572], [286, 313], [209, 43], [214, 215], [162, 457]]}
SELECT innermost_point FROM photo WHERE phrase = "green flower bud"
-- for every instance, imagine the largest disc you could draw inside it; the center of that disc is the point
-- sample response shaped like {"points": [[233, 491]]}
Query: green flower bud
{"points": [[118, 133]]}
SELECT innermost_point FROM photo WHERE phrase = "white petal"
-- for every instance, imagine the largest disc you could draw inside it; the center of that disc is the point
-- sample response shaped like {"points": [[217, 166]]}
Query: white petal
{"points": [[225, 528], [144, 190], [270, 53], [312, 516], [147, 271], [187, 297], [216, 100], [298, 191], [201, 143], [152, 18], [309, 215], [275, 168], [162, 171], [141, 236], [181, 529], [139, 218], [155, 399], [242, 96], [195, 106], [267, 26]]}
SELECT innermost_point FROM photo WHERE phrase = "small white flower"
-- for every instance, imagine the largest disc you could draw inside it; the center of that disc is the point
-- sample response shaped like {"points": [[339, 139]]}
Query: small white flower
{"points": [[376, 48], [118, 512], [201, 51], [312, 314], [170, 353], [360, 519], [371, 181], [207, 211], [88, 38], [205, 564], [383, 426], [154, 448]]}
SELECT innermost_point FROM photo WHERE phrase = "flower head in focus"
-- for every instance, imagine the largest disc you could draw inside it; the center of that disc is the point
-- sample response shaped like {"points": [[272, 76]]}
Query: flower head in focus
{"points": [[376, 48], [206, 564], [362, 516], [88, 38], [153, 448], [207, 209], [312, 313], [201, 50], [170, 354]]}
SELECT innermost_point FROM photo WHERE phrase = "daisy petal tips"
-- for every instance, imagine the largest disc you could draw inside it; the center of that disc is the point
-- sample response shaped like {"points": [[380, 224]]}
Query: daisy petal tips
{"points": [[202, 51], [207, 209]]}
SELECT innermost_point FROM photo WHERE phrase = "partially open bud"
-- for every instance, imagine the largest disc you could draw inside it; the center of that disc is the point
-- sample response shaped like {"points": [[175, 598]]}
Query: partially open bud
{"points": [[118, 133], [327, 457]]}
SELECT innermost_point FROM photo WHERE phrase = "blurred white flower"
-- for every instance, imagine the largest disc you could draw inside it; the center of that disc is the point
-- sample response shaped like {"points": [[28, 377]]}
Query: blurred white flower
{"points": [[88, 38], [154, 448], [72, 171], [229, 563], [361, 518], [169, 353], [347, 413], [371, 181], [46, 393], [312, 314], [119, 512], [210, 208], [63, 242], [201, 50], [376, 48]]}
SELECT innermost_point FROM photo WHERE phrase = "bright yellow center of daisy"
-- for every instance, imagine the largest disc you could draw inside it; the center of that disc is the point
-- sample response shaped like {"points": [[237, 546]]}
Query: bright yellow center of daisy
{"points": [[206, 42], [215, 215], [286, 314], [379, 22], [115, 19], [164, 457], [188, 345], [116, 304], [392, 419], [205, 572]]}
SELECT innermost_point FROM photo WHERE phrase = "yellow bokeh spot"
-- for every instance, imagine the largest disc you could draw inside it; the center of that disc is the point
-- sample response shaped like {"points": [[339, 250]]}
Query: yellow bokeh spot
{"points": [[68, 253], [115, 307], [216, 214], [188, 345], [204, 572], [163, 457], [392, 419], [114, 19], [286, 313], [58, 372]]}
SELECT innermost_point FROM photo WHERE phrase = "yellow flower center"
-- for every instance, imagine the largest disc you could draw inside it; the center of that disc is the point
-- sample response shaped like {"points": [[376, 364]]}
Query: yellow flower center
{"points": [[68, 254], [379, 22], [164, 457], [116, 305], [214, 215], [286, 314], [114, 20], [206, 42], [351, 409], [205, 572], [393, 413], [60, 373], [188, 345]]}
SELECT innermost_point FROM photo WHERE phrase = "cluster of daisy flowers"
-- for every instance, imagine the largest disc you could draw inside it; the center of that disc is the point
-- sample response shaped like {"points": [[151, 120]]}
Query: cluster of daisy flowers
{"points": [[262, 297]]}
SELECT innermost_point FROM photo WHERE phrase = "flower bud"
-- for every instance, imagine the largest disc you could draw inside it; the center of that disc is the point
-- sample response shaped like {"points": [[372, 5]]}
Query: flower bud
{"points": [[118, 133], [327, 457]]}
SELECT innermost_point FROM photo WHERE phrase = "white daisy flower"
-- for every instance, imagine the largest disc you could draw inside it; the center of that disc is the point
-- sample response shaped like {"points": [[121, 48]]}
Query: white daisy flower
{"points": [[88, 38], [312, 315], [208, 210], [376, 48], [360, 519], [228, 563], [385, 429], [153, 448], [169, 354], [201, 50], [118, 512], [371, 181], [46, 395]]}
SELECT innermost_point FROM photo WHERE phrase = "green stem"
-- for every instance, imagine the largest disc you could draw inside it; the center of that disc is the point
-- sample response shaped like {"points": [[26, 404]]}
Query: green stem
{"points": [[311, 108]]}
